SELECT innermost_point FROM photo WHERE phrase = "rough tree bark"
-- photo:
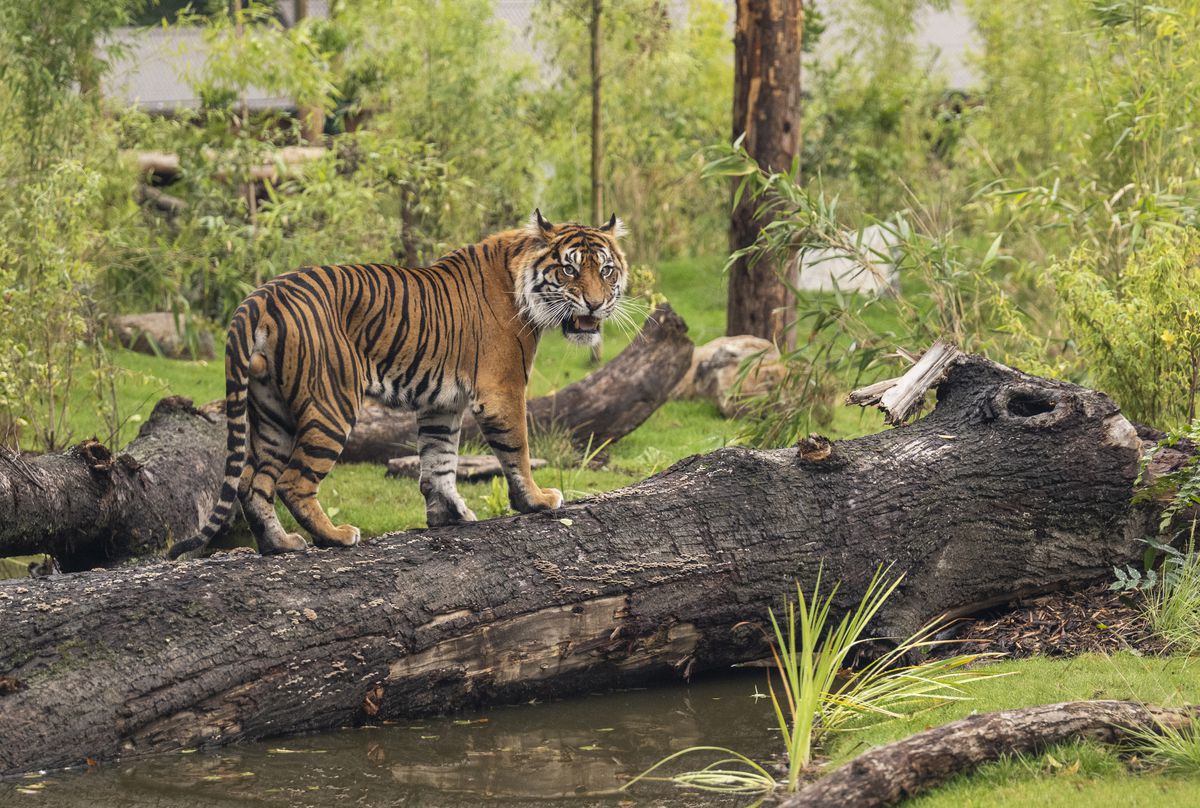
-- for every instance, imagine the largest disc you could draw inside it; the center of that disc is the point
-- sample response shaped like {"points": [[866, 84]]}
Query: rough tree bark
{"points": [[897, 771], [605, 406], [87, 508], [766, 113], [1012, 485], [597, 135]]}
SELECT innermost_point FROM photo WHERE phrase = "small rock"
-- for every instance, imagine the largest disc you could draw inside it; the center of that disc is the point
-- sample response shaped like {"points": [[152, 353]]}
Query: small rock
{"points": [[310, 614], [717, 364], [156, 333]]}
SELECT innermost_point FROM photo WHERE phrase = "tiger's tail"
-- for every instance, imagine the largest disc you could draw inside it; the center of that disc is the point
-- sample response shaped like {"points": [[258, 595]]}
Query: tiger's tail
{"points": [[238, 347]]}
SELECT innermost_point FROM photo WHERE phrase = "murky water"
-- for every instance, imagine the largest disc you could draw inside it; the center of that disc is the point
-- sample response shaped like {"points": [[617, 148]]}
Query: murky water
{"points": [[574, 753]]}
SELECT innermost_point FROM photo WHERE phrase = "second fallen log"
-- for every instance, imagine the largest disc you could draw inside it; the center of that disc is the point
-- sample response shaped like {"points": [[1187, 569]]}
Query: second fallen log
{"points": [[604, 406]]}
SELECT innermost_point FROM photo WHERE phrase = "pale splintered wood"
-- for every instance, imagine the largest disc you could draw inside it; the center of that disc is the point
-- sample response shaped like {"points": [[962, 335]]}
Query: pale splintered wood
{"points": [[902, 397]]}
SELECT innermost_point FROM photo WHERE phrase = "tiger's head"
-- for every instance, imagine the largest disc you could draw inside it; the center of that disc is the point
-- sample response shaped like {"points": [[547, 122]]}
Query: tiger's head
{"points": [[575, 278]]}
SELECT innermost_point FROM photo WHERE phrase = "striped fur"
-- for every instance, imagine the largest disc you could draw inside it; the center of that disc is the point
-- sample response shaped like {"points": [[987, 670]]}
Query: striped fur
{"points": [[305, 348]]}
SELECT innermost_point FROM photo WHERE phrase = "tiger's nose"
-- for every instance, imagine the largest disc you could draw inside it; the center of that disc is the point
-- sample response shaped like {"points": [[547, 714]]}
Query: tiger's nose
{"points": [[593, 306]]}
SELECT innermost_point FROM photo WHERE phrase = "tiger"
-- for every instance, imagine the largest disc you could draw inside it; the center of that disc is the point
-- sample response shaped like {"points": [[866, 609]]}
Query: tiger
{"points": [[306, 348]]}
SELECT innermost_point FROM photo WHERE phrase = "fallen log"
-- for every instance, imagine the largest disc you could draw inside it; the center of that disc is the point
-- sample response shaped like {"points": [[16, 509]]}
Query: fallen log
{"points": [[898, 771], [604, 406], [89, 507], [166, 166], [1012, 485]]}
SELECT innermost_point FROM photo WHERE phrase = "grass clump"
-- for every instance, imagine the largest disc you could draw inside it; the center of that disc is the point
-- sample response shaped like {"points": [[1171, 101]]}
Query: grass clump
{"points": [[1173, 604], [820, 694], [1174, 747]]}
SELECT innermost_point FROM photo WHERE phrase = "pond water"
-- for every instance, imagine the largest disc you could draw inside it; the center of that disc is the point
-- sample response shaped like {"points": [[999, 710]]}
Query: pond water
{"points": [[572, 753]]}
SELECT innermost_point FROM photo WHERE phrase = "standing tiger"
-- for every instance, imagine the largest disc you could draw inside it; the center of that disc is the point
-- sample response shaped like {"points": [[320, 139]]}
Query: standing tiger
{"points": [[306, 347]]}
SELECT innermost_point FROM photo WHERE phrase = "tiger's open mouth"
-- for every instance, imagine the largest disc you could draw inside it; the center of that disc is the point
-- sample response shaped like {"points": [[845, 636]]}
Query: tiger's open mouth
{"points": [[581, 324]]}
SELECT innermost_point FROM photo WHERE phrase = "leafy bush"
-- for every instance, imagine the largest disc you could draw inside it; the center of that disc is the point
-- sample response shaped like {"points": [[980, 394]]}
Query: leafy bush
{"points": [[666, 93], [1138, 334], [58, 169], [948, 291], [1082, 127]]}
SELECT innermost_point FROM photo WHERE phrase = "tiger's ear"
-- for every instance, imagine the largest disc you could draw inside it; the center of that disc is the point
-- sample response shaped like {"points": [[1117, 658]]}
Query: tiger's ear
{"points": [[538, 227], [615, 226]]}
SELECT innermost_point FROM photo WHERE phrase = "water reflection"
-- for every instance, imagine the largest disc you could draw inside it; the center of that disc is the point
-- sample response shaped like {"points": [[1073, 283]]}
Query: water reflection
{"points": [[572, 753]]}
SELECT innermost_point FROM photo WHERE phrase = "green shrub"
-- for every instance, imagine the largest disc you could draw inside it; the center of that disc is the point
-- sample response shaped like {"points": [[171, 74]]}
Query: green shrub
{"points": [[1138, 334], [58, 169], [666, 95]]}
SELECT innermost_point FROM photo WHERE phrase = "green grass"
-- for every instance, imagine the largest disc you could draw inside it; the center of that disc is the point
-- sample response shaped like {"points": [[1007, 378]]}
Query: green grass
{"points": [[1173, 604], [1051, 779]]}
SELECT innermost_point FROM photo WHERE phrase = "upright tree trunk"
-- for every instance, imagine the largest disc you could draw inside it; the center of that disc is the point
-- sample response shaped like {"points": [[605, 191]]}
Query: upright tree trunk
{"points": [[597, 138], [312, 119], [766, 111]]}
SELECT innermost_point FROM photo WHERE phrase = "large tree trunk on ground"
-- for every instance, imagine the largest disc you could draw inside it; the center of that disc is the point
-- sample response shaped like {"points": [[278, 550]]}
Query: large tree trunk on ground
{"points": [[86, 507], [766, 112], [604, 406], [900, 770], [1012, 485]]}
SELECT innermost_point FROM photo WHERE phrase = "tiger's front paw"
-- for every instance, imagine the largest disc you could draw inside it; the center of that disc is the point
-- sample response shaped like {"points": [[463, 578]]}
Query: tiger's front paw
{"points": [[539, 499], [548, 499]]}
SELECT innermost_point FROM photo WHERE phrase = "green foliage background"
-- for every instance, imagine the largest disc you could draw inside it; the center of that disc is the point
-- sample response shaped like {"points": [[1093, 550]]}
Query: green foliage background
{"points": [[1024, 208]]}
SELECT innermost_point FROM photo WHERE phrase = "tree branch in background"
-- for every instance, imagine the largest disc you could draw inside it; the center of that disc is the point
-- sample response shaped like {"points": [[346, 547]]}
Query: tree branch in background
{"points": [[606, 405]]}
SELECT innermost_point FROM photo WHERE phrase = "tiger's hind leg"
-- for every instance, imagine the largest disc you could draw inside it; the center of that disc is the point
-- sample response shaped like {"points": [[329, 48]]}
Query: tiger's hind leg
{"points": [[437, 442], [319, 442], [271, 442]]}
